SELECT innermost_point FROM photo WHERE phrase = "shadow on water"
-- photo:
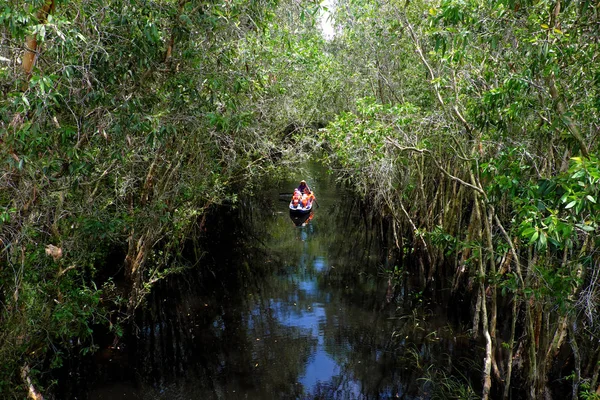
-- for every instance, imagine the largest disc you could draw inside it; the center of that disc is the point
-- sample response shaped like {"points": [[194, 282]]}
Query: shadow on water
{"points": [[284, 310], [301, 219]]}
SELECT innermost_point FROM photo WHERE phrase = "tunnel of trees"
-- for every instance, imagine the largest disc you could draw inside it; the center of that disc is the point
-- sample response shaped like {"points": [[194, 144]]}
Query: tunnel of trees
{"points": [[468, 127]]}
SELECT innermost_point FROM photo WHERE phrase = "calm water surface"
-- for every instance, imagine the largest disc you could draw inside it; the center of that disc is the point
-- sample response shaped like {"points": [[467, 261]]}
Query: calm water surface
{"points": [[286, 312]]}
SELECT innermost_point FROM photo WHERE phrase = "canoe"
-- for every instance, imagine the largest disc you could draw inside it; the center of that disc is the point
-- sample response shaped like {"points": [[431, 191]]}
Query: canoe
{"points": [[299, 210], [300, 219]]}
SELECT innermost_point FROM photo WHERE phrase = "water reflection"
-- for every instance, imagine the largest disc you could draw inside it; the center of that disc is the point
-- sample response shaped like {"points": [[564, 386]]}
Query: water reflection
{"points": [[307, 314], [307, 301]]}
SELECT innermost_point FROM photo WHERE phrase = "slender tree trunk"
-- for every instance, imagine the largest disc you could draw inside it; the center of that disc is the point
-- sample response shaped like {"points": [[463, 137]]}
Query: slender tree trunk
{"points": [[487, 363], [171, 43], [557, 340], [576, 360], [521, 284], [530, 318], [533, 378], [477, 315], [488, 218], [31, 42], [511, 343]]}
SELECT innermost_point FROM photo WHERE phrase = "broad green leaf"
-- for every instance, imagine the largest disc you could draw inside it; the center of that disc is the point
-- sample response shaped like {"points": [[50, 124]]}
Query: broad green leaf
{"points": [[534, 237], [543, 240], [528, 232], [586, 228]]}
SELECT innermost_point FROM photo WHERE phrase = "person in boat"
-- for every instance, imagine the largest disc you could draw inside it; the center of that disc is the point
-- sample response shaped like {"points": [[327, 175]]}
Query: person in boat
{"points": [[307, 198], [296, 198], [303, 186], [304, 200], [311, 197]]}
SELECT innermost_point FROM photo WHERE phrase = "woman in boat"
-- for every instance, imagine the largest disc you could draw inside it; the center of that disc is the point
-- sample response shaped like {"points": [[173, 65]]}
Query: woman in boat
{"points": [[303, 186]]}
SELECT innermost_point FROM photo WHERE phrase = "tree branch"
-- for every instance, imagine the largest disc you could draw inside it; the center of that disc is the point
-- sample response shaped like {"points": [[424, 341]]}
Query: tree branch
{"points": [[432, 78], [438, 165]]}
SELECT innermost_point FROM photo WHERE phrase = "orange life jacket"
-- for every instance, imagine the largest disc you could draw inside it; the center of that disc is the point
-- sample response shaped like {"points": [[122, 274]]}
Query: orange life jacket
{"points": [[304, 200]]}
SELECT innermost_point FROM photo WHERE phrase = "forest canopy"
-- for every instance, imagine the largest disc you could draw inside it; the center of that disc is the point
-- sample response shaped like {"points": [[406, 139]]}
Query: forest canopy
{"points": [[471, 127]]}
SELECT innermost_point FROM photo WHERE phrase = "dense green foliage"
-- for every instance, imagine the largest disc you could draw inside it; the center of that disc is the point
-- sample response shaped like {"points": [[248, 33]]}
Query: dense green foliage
{"points": [[135, 119], [471, 125], [475, 131]]}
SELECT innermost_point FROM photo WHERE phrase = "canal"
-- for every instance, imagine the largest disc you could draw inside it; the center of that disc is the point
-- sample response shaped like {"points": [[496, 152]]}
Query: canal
{"points": [[279, 311]]}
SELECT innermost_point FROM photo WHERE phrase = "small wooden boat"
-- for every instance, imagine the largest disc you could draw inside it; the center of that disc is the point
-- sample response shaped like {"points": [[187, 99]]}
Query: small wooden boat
{"points": [[300, 219], [298, 212]]}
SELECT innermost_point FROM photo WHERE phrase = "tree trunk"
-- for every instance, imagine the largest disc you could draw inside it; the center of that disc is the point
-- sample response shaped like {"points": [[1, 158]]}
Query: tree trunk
{"points": [[487, 363], [511, 343], [31, 42], [576, 360]]}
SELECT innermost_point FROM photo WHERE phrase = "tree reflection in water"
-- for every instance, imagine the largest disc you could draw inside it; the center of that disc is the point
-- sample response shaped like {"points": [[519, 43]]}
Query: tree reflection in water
{"points": [[302, 312]]}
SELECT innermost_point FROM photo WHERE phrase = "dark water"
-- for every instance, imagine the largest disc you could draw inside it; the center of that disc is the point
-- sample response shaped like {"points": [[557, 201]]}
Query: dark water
{"points": [[281, 312]]}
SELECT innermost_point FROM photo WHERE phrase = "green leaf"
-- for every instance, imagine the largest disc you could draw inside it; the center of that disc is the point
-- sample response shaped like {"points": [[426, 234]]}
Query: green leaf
{"points": [[590, 198], [586, 228], [578, 174], [528, 232], [25, 100], [571, 204], [543, 240], [534, 237]]}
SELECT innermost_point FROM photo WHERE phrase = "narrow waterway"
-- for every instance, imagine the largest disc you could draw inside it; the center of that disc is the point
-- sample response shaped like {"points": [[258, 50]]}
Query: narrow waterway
{"points": [[314, 311]]}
